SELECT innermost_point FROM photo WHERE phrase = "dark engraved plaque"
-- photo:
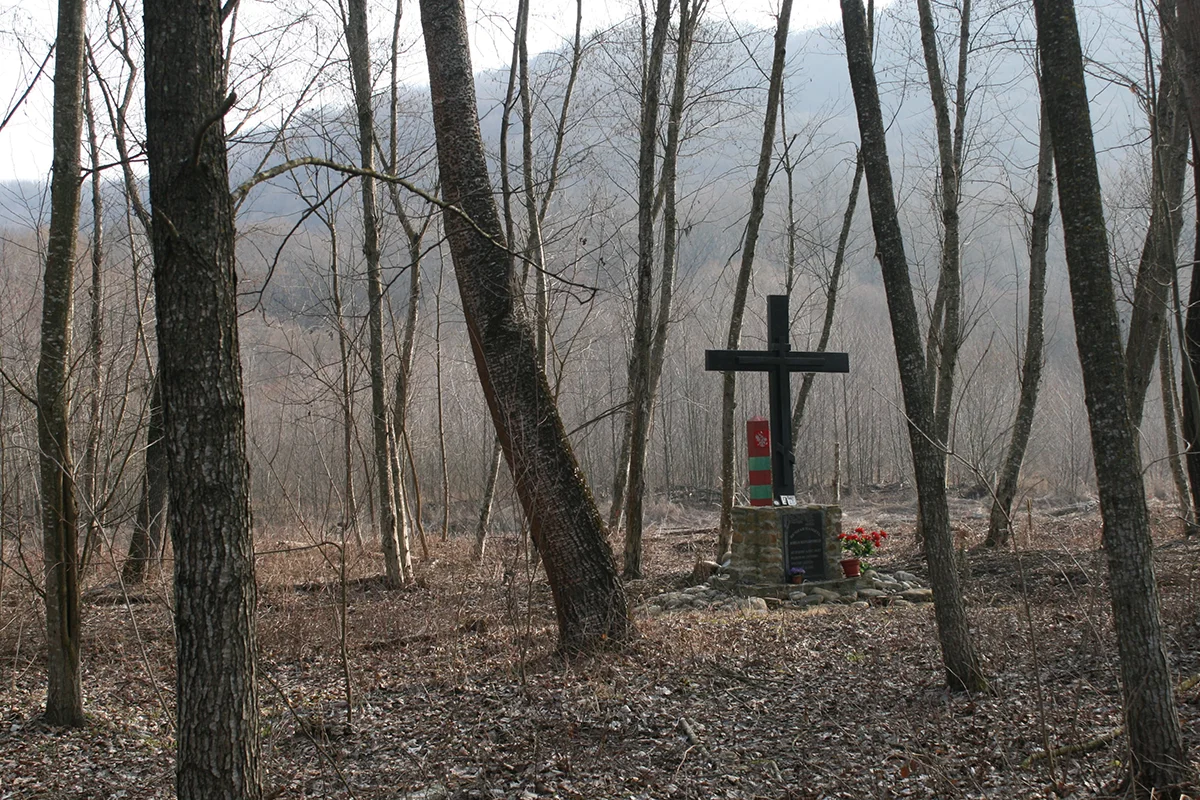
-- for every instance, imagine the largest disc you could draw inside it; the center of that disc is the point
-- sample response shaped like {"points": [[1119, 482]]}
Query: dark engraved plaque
{"points": [[804, 542]]}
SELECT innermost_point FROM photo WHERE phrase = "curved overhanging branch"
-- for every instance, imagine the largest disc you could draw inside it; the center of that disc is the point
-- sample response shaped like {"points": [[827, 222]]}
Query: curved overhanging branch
{"points": [[241, 191]]}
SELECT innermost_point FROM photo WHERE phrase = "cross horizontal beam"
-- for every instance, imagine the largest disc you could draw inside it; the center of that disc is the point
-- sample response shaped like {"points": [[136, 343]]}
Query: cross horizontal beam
{"points": [[757, 360]]}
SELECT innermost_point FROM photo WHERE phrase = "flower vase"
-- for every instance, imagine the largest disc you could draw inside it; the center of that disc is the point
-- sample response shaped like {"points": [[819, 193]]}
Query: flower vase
{"points": [[851, 567], [797, 579]]}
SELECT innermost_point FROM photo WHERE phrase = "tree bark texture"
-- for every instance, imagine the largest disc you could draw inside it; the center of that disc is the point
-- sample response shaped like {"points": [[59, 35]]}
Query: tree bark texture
{"points": [[1000, 521], [1158, 758], [963, 669], [64, 691], [758, 198], [203, 408], [1156, 267], [396, 572], [588, 595]]}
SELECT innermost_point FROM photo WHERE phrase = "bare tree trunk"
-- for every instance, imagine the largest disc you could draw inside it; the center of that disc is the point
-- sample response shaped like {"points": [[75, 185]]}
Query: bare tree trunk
{"points": [[831, 293], [1166, 374], [758, 197], [963, 669], [360, 67], [650, 361], [349, 501], [518, 68], [414, 235], [150, 523], [1000, 521], [400, 397], [945, 328], [533, 247], [64, 693], [489, 494], [1159, 762], [627, 486], [1187, 33], [91, 453], [688, 21], [441, 412], [1168, 165], [204, 411], [588, 595]]}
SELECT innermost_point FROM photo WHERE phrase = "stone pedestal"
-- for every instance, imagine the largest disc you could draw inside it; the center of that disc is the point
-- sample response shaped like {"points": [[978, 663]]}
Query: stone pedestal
{"points": [[759, 543]]}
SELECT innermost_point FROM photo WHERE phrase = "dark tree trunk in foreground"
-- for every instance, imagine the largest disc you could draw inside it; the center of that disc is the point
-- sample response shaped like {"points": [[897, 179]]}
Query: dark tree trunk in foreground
{"points": [[588, 595], [958, 653], [203, 411], [60, 532], [1000, 523], [1159, 763]]}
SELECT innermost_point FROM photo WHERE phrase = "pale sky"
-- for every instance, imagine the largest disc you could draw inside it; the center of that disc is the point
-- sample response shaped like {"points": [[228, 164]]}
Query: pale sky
{"points": [[27, 30]]}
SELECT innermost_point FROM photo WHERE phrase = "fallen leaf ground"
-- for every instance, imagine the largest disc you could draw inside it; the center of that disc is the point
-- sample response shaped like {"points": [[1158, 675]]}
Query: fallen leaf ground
{"points": [[456, 691]]}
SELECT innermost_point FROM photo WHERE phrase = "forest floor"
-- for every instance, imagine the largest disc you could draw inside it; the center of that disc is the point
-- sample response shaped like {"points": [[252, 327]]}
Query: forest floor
{"points": [[457, 692]]}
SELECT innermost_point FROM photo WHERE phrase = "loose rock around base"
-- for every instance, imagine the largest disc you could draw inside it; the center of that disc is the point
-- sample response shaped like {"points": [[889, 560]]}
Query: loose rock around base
{"points": [[722, 593]]}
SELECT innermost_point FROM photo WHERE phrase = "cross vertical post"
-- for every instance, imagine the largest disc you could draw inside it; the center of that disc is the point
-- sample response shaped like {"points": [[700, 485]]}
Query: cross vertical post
{"points": [[779, 388]]}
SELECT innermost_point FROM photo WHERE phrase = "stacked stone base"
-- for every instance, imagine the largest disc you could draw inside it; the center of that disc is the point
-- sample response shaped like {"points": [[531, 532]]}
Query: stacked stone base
{"points": [[757, 550]]}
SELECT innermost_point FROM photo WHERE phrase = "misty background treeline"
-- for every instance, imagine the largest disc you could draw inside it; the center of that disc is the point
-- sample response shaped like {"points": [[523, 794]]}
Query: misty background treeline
{"points": [[295, 101]]}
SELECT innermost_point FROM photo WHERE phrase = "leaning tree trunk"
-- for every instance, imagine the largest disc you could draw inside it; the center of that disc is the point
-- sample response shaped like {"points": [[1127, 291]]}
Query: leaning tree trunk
{"points": [[519, 67], [64, 692], [1168, 169], [758, 198], [1000, 521], [1158, 759], [588, 595], [963, 669], [396, 569], [203, 408]]}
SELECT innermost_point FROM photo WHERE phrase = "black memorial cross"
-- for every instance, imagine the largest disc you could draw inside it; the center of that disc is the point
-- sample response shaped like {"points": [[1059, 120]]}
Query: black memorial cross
{"points": [[779, 361]]}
